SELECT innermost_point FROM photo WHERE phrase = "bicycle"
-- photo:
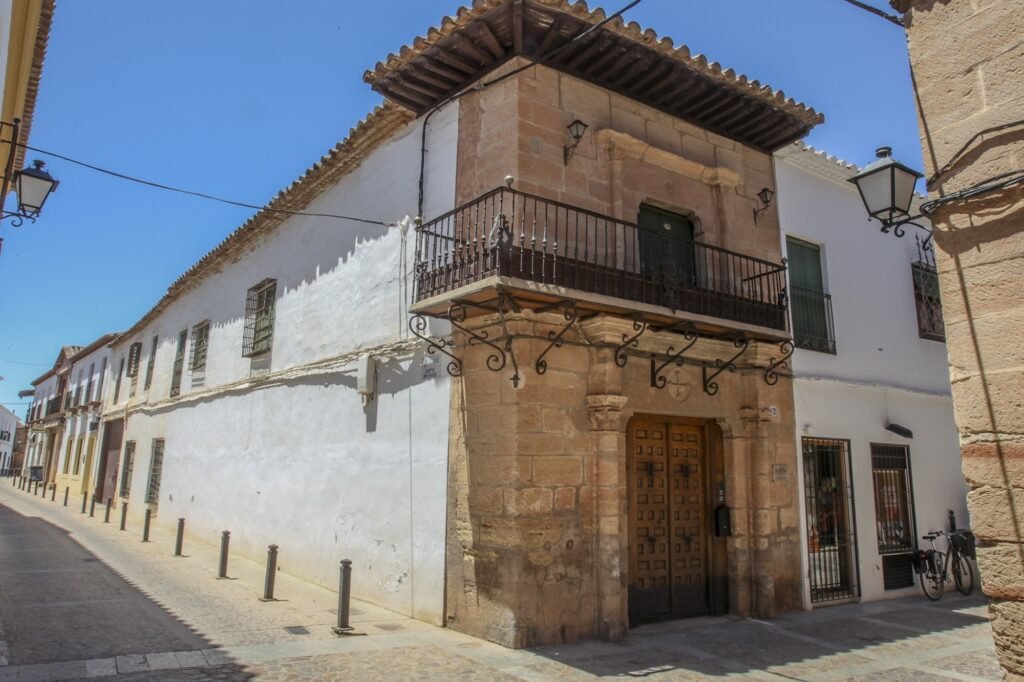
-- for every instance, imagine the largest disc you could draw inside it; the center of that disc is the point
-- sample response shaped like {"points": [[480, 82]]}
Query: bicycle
{"points": [[935, 568]]}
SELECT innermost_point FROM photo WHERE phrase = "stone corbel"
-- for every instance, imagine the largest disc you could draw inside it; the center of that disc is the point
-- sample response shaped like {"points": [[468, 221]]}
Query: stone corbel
{"points": [[622, 145], [605, 412]]}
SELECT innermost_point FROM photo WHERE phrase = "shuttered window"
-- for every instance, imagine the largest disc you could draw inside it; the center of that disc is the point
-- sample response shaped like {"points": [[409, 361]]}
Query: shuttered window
{"points": [[810, 306], [134, 355], [156, 465], [128, 468], [151, 363], [930, 324], [179, 363]]}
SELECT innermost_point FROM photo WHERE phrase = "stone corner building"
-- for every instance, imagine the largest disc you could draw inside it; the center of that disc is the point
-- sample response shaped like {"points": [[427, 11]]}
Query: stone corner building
{"points": [[971, 116], [621, 449]]}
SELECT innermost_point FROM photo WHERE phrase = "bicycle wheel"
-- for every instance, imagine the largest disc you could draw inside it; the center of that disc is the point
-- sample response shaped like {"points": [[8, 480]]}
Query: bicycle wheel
{"points": [[963, 576], [932, 584]]}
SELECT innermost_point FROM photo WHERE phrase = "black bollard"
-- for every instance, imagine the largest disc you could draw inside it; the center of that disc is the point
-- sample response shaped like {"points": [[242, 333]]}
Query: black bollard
{"points": [[268, 584], [85, 501], [53, 493], [222, 569], [67, 491], [92, 507], [952, 521], [344, 595], [124, 514], [145, 525], [106, 514], [181, 537], [35, 491]]}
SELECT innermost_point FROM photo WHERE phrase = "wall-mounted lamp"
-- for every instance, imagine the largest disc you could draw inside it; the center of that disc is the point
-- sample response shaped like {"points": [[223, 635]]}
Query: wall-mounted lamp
{"points": [[766, 196], [576, 130]]}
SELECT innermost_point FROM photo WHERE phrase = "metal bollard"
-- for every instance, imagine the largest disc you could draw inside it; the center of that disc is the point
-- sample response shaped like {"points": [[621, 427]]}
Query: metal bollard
{"points": [[92, 507], [181, 537], [53, 493], [67, 491], [35, 491], [225, 540], [145, 525], [106, 514], [344, 596], [124, 514], [268, 584], [85, 501]]}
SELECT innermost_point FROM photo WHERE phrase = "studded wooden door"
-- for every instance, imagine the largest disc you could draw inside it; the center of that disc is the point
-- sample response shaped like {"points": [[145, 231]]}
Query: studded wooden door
{"points": [[668, 543]]}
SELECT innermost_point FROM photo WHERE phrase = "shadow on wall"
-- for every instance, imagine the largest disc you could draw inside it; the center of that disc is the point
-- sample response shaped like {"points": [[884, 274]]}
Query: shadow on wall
{"points": [[132, 621]]}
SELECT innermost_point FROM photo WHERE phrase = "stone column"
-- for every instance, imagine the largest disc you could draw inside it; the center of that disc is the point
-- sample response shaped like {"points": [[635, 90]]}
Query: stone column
{"points": [[755, 421], [970, 104]]}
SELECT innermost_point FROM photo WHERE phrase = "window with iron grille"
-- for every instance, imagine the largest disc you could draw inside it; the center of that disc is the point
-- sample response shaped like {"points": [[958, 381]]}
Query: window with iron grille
{"points": [[117, 382], [894, 512], [88, 385], [78, 455], [200, 344], [134, 354], [156, 465], [126, 470], [929, 305], [259, 318], [151, 363], [179, 363]]}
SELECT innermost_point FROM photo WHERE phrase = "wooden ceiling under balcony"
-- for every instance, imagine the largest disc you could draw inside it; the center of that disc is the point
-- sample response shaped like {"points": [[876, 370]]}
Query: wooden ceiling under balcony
{"points": [[618, 57]]}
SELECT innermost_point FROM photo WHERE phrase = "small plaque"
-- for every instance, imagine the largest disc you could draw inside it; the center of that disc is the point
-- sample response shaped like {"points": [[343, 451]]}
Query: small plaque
{"points": [[780, 472]]}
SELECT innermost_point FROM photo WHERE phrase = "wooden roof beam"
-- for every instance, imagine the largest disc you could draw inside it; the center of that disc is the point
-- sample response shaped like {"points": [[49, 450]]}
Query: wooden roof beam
{"points": [[404, 92], [421, 73], [442, 70], [467, 45], [491, 40], [451, 59]]}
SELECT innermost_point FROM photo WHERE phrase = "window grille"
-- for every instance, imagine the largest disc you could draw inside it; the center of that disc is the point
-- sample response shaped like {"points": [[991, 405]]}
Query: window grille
{"points": [[117, 382], [151, 363], [259, 318], [831, 528], [126, 470], [200, 344], [179, 363], [134, 354], [894, 512], [88, 385], [930, 324], [156, 464]]}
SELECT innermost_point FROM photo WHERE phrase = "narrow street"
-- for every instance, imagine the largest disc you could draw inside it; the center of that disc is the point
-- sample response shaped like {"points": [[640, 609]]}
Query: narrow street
{"points": [[81, 600]]}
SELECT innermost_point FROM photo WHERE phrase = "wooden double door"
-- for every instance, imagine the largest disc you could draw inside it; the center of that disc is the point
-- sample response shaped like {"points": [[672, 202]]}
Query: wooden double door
{"points": [[670, 544]]}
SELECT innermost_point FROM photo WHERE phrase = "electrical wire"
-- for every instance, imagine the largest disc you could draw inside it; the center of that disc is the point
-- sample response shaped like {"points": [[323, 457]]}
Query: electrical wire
{"points": [[960, 152], [201, 195], [33, 364], [993, 184], [877, 12]]}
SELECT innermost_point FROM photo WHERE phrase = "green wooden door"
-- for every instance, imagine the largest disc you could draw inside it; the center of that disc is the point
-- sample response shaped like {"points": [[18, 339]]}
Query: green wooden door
{"points": [[812, 328]]}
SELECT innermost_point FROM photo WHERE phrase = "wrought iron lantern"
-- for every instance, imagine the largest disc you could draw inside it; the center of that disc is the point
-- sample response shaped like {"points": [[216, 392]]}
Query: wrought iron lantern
{"points": [[887, 188], [34, 186], [765, 195], [576, 130]]}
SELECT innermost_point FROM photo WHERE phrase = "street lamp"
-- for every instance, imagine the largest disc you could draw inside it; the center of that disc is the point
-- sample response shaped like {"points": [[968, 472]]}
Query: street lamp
{"points": [[33, 184], [887, 188]]}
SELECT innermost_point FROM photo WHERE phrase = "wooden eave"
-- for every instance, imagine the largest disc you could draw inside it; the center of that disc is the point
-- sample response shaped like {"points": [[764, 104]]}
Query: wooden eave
{"points": [[619, 57]]}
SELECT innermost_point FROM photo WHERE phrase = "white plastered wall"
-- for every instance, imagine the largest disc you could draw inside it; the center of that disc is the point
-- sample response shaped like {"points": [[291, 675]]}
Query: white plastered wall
{"points": [[882, 372], [296, 458]]}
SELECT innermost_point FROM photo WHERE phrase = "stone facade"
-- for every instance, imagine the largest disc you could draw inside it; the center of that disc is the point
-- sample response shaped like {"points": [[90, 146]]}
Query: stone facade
{"points": [[539, 524], [962, 93]]}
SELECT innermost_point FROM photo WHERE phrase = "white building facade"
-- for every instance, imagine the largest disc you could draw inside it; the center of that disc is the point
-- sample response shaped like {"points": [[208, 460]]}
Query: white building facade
{"points": [[9, 423], [874, 415], [279, 394]]}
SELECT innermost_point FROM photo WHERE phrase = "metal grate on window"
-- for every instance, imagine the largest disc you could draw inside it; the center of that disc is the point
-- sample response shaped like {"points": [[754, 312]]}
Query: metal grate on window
{"points": [[259, 318], [126, 470], [179, 363], [200, 344], [156, 465], [930, 324], [134, 355], [894, 518], [831, 529]]}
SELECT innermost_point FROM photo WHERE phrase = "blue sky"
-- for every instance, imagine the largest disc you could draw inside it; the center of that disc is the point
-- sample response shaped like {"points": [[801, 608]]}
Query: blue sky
{"points": [[238, 97]]}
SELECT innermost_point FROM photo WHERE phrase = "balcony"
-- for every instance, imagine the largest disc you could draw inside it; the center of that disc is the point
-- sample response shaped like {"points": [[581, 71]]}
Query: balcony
{"points": [[544, 251], [813, 326], [52, 406]]}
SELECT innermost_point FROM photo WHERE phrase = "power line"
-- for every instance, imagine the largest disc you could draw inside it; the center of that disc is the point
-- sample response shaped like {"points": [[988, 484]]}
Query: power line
{"points": [[874, 10], [201, 195], [34, 364]]}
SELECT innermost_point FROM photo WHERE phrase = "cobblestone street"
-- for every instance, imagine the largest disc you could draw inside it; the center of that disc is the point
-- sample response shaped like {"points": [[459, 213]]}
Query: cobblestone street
{"points": [[180, 623]]}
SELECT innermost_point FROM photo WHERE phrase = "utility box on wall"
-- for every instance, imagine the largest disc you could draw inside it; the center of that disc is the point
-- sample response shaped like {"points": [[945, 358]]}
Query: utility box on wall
{"points": [[366, 377]]}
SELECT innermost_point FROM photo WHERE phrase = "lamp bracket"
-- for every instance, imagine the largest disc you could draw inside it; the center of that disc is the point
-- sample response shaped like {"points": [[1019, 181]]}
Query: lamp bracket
{"points": [[639, 326], [710, 385], [569, 312], [771, 374], [690, 335]]}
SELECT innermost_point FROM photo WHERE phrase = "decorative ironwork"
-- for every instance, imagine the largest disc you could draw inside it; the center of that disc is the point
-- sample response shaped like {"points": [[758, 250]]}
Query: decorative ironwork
{"points": [[503, 299], [710, 385], [689, 333], [17, 219], [813, 322], [570, 315], [456, 316], [639, 326], [771, 374], [418, 325]]}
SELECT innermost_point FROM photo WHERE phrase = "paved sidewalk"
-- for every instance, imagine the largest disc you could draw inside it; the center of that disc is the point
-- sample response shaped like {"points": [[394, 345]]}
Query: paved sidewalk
{"points": [[245, 639]]}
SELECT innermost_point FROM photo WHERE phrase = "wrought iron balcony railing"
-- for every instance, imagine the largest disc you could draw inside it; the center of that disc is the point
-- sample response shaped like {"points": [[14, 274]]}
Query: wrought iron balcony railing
{"points": [[52, 406], [813, 327], [511, 234]]}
